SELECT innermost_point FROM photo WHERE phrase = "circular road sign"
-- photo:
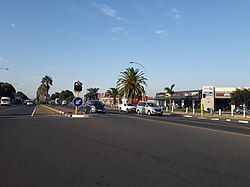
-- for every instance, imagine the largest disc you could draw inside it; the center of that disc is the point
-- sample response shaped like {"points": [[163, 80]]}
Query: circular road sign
{"points": [[77, 101]]}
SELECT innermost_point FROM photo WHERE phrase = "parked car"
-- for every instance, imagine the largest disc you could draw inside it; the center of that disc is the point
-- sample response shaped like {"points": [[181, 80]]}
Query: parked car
{"points": [[239, 110], [149, 109], [94, 106], [127, 107], [5, 101], [64, 102], [29, 102]]}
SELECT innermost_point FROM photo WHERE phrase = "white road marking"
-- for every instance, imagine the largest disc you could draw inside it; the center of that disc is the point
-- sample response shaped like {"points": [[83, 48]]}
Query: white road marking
{"points": [[33, 111]]}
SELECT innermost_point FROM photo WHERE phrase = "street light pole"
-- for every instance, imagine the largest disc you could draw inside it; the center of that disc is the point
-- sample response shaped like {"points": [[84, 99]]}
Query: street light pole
{"points": [[5, 68], [143, 98]]}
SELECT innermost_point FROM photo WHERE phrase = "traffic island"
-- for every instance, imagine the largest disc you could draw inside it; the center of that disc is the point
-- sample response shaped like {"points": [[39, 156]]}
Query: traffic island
{"points": [[42, 110], [65, 111]]}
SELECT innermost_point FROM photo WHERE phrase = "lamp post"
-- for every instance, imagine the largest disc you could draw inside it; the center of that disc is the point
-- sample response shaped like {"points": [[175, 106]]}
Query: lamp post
{"points": [[5, 68], [143, 98]]}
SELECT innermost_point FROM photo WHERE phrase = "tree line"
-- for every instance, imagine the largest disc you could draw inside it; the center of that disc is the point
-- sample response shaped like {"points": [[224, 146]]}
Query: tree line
{"points": [[8, 90], [131, 85]]}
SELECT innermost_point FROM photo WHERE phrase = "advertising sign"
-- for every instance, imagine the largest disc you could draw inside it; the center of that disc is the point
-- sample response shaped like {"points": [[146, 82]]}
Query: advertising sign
{"points": [[208, 97]]}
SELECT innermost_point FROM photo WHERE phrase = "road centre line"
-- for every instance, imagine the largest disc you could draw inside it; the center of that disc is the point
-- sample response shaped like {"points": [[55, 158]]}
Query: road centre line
{"points": [[34, 111], [194, 127]]}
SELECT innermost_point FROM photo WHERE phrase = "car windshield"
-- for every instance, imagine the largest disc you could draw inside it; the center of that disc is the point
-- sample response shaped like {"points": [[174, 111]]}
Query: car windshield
{"points": [[152, 105], [96, 103]]}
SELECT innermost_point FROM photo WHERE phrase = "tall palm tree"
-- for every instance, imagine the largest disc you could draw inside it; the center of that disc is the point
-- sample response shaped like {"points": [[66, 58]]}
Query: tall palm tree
{"points": [[47, 81], [92, 93], [41, 93], [170, 92], [112, 92], [131, 83]]}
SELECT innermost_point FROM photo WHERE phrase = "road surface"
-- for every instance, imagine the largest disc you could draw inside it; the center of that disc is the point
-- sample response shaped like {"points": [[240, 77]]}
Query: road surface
{"points": [[115, 149]]}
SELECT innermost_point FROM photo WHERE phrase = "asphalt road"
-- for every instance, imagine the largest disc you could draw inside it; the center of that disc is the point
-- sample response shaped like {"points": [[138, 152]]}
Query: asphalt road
{"points": [[115, 149], [16, 110]]}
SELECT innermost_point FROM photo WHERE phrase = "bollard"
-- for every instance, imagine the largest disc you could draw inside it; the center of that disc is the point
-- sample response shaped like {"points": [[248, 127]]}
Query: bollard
{"points": [[186, 110], [219, 112]]}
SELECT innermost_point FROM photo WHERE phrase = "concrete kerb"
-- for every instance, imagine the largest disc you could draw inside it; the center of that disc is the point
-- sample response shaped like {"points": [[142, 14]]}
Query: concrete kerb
{"points": [[220, 118], [67, 115]]}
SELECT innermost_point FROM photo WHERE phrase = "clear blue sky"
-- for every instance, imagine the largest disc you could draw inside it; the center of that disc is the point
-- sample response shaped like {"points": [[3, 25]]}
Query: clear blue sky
{"points": [[190, 43]]}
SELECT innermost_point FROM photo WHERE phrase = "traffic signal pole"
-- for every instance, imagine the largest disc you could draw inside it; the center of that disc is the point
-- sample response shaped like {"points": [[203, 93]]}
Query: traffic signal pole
{"points": [[77, 88], [77, 108]]}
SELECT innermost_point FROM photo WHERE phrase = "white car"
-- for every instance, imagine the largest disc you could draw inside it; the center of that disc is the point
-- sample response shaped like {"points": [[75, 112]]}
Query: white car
{"points": [[5, 101], [127, 107], [149, 109], [64, 102], [29, 103]]}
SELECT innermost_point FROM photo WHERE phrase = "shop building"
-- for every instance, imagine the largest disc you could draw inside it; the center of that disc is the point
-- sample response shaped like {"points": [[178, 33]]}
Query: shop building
{"points": [[213, 98]]}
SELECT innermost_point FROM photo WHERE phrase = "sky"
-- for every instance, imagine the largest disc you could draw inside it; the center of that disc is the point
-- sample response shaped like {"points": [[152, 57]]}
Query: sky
{"points": [[189, 43]]}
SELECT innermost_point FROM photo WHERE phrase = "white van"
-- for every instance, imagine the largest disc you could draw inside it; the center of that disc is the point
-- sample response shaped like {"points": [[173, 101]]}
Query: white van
{"points": [[5, 101]]}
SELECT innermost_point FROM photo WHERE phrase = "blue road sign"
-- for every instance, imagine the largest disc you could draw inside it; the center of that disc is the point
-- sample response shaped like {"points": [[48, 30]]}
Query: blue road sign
{"points": [[77, 101]]}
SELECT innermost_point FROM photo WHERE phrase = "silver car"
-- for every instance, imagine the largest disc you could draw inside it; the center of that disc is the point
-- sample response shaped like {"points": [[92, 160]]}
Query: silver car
{"points": [[149, 109]]}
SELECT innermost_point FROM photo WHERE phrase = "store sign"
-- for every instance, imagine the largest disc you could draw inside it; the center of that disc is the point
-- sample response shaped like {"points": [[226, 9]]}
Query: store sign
{"points": [[225, 95]]}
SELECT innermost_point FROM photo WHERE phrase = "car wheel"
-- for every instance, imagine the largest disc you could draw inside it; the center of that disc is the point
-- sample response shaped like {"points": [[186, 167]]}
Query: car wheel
{"points": [[138, 111]]}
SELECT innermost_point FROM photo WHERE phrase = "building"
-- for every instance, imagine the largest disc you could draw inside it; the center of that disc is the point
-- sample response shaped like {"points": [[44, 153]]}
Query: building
{"points": [[180, 99], [213, 98]]}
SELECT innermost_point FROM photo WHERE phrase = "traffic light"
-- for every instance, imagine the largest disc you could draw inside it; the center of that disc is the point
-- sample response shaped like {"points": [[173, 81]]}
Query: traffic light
{"points": [[77, 86]]}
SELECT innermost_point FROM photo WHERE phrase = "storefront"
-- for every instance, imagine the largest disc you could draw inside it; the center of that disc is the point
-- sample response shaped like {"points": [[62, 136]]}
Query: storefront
{"points": [[213, 98], [180, 99]]}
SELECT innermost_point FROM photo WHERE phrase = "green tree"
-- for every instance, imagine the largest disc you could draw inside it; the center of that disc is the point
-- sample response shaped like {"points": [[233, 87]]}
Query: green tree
{"points": [[7, 90], [170, 92], [22, 96], [241, 96], [112, 92], [66, 95], [92, 93], [47, 81], [131, 83]]}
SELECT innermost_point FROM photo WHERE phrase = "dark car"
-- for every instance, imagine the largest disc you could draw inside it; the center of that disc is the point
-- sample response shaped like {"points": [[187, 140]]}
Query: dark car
{"points": [[94, 106]]}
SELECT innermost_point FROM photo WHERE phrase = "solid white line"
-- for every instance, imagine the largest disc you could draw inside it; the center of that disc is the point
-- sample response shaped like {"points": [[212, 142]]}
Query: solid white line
{"points": [[240, 121], [202, 118], [166, 114], [187, 116], [215, 119], [34, 111], [79, 116]]}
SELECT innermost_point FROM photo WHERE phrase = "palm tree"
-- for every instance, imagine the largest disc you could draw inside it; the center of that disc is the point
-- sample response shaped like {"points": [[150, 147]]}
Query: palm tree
{"points": [[47, 81], [41, 93], [170, 92], [112, 92], [92, 93], [131, 83]]}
